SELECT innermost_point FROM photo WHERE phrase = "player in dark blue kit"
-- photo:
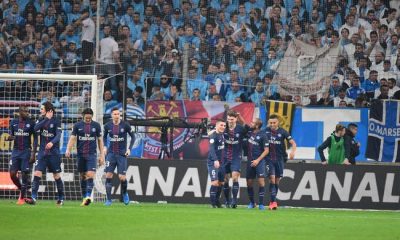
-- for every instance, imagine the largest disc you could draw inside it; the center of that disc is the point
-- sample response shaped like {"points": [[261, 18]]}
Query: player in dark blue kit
{"points": [[234, 135], [21, 132], [277, 155], [87, 135], [214, 162], [258, 148], [49, 130], [116, 152]]}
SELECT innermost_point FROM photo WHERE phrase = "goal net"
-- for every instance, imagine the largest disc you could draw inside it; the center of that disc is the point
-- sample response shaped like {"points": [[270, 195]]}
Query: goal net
{"points": [[70, 94]]}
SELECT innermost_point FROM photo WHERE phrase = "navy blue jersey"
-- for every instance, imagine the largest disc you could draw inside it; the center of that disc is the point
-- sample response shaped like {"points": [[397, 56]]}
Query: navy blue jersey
{"points": [[22, 130], [118, 136], [49, 130], [86, 136], [256, 144], [216, 148], [234, 143], [277, 147]]}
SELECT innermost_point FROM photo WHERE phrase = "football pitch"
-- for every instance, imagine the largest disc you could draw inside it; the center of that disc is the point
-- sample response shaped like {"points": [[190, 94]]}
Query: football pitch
{"points": [[188, 221]]}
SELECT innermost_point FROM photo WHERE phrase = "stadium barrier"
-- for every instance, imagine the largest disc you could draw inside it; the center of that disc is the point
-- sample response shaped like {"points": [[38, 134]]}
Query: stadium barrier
{"points": [[303, 185]]}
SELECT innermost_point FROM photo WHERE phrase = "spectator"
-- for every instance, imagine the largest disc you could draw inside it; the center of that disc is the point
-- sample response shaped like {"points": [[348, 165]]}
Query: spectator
{"points": [[341, 97], [355, 90], [392, 86], [352, 147], [335, 143], [234, 92], [258, 94], [371, 84], [384, 92]]}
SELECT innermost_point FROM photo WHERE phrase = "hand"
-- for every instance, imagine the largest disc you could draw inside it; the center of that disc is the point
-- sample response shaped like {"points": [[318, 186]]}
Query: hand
{"points": [[346, 161], [211, 132], [67, 154], [128, 152], [324, 163], [32, 158], [101, 160], [10, 138], [49, 146], [216, 164], [291, 155], [254, 163], [105, 151], [49, 114], [358, 144]]}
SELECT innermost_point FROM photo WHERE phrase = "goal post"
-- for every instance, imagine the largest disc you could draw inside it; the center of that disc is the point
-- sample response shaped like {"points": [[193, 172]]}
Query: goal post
{"points": [[70, 94]]}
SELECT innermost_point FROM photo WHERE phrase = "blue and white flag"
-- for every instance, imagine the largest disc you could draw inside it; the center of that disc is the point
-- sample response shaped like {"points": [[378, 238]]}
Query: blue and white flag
{"points": [[384, 131]]}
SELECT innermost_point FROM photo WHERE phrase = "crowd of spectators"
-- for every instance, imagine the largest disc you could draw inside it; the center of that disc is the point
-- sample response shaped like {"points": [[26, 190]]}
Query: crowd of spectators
{"points": [[233, 46]]}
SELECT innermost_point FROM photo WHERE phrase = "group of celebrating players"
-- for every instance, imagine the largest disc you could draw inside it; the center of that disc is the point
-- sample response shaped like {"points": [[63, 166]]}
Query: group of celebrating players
{"points": [[266, 154], [266, 151], [86, 134]]}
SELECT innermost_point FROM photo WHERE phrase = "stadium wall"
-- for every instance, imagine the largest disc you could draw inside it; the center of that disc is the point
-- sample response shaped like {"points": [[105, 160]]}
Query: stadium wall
{"points": [[303, 185]]}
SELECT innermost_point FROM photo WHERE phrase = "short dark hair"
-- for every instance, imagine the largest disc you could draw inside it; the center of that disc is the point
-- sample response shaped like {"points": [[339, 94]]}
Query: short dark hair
{"points": [[232, 113], [48, 106], [352, 125], [273, 116], [115, 109], [87, 111]]}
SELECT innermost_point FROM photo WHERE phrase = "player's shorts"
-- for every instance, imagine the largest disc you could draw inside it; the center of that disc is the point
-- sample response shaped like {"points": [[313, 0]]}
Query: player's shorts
{"points": [[216, 173], [231, 166], [257, 171], [20, 160], [116, 161], [51, 162], [86, 163], [275, 168]]}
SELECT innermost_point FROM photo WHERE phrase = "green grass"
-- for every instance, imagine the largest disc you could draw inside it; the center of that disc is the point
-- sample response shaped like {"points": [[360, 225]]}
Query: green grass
{"points": [[187, 221]]}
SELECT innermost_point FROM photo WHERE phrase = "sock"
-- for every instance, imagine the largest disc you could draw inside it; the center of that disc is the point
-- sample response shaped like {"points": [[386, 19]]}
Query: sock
{"points": [[250, 193], [235, 191], [60, 189], [35, 186], [272, 191], [15, 180], [83, 187], [124, 186], [261, 193], [213, 195], [219, 190], [89, 187], [108, 188], [227, 191], [25, 183]]}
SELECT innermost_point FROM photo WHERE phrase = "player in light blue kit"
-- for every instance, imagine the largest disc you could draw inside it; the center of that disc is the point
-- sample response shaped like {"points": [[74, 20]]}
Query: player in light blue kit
{"points": [[87, 136], [277, 154], [116, 152]]}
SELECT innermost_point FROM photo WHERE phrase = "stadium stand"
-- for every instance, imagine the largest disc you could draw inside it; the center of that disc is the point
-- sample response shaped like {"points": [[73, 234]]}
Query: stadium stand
{"points": [[226, 43]]}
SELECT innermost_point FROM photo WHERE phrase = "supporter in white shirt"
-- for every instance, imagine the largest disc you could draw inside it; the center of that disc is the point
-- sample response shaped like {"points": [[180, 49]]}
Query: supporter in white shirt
{"points": [[373, 46], [109, 57], [350, 25], [377, 63], [341, 97], [390, 21], [386, 71], [392, 87]]}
